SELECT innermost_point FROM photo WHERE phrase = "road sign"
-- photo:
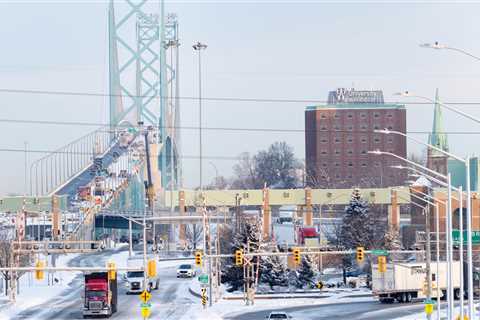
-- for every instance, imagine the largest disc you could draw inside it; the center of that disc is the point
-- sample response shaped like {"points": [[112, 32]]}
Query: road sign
{"points": [[145, 312], [320, 285], [203, 278], [145, 296], [429, 303], [145, 305], [379, 252], [475, 236]]}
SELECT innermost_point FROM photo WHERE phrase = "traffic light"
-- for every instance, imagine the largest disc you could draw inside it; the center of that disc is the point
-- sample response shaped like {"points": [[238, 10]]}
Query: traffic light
{"points": [[39, 274], [239, 257], [151, 268], [296, 256], [360, 254], [198, 258], [112, 273], [382, 264]]}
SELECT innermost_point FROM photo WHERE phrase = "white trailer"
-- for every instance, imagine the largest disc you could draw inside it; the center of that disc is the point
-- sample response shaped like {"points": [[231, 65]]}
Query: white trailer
{"points": [[406, 281]]}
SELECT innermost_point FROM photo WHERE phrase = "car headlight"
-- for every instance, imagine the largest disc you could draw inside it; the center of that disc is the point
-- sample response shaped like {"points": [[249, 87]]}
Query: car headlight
{"points": [[127, 284]]}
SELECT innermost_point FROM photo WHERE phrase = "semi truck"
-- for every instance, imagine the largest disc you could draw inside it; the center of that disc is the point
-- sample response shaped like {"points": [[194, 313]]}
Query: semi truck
{"points": [[134, 279], [100, 295], [404, 282]]}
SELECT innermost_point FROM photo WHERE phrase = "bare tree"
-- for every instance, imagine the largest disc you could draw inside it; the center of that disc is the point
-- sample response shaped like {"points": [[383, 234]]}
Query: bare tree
{"points": [[6, 259]]}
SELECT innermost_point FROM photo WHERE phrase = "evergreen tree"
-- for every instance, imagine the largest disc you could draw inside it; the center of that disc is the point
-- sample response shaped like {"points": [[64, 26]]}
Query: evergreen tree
{"points": [[306, 275], [293, 280], [248, 237], [273, 271], [358, 224]]}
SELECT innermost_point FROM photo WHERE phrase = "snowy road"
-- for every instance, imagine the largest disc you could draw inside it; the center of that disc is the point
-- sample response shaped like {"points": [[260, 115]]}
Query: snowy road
{"points": [[171, 301], [364, 310]]}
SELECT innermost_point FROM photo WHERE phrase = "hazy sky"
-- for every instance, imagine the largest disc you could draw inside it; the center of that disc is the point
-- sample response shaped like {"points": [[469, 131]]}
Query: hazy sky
{"points": [[264, 49]]}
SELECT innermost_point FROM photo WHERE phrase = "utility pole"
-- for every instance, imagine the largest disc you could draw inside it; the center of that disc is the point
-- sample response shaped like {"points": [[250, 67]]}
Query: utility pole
{"points": [[199, 47], [429, 257]]}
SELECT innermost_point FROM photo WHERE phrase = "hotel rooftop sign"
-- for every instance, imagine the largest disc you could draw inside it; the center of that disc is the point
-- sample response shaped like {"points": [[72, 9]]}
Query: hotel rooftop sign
{"points": [[344, 95]]}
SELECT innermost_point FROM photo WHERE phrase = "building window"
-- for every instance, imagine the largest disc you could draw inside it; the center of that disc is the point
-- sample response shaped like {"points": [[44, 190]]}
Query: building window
{"points": [[337, 140], [363, 127], [364, 164], [350, 151], [323, 152], [323, 128], [390, 128], [350, 116], [390, 140], [337, 128], [337, 176], [337, 164], [363, 140], [377, 164], [324, 164], [323, 116], [349, 139], [350, 164], [350, 128], [349, 176], [376, 140], [324, 140], [337, 152], [389, 115], [376, 115], [376, 127], [336, 116], [363, 115], [364, 152]]}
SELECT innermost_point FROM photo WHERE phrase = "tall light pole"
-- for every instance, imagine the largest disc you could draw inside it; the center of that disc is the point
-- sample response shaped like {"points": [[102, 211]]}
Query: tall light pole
{"points": [[216, 171], [199, 47], [439, 46], [466, 161], [449, 223]]}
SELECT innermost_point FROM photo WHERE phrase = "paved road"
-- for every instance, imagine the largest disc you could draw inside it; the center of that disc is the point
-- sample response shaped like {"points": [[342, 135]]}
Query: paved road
{"points": [[370, 310], [169, 302]]}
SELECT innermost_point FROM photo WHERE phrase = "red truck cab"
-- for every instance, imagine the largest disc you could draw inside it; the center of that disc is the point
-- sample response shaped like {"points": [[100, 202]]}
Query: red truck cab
{"points": [[306, 234], [100, 295]]}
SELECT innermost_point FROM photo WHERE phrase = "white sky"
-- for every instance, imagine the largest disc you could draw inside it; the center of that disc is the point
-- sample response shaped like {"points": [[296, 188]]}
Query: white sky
{"points": [[267, 49]]}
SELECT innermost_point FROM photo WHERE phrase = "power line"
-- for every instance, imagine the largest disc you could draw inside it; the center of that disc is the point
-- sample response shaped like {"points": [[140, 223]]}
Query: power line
{"points": [[94, 154], [224, 99], [96, 124]]}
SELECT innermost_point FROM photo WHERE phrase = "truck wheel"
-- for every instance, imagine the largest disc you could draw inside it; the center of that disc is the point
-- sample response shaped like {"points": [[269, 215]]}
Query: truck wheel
{"points": [[157, 284], [409, 297], [401, 297]]}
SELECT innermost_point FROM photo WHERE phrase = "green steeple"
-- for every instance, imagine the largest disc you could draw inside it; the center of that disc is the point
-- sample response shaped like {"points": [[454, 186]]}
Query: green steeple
{"points": [[437, 137]]}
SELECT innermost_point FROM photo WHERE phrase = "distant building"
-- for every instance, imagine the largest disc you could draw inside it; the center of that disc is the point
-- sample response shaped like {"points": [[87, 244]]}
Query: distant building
{"points": [[339, 135], [436, 160]]}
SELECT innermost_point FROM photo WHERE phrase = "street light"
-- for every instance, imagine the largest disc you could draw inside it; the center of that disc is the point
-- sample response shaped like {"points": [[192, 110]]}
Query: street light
{"points": [[449, 222], [460, 201], [199, 47], [466, 161], [438, 46]]}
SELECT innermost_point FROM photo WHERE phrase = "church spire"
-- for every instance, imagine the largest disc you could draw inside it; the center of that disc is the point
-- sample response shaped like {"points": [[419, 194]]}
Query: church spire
{"points": [[437, 137]]}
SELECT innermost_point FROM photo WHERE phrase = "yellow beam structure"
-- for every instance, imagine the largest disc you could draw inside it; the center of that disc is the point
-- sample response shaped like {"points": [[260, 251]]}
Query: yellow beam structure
{"points": [[276, 197]]}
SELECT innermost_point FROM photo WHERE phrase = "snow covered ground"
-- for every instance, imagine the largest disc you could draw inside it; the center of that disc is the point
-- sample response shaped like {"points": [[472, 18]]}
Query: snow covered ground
{"points": [[443, 313], [34, 292]]}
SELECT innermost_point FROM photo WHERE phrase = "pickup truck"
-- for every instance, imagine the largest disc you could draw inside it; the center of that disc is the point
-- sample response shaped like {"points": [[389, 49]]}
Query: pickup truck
{"points": [[134, 279]]}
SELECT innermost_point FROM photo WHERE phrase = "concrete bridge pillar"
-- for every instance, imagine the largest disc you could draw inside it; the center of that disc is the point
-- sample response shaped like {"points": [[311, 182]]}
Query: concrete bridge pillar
{"points": [[55, 218], [308, 216], [181, 209], [393, 210], [267, 214]]}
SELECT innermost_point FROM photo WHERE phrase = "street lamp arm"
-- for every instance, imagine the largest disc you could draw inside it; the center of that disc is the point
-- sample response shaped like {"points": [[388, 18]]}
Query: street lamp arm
{"points": [[442, 183], [451, 155], [415, 196], [463, 52], [378, 152], [446, 106]]}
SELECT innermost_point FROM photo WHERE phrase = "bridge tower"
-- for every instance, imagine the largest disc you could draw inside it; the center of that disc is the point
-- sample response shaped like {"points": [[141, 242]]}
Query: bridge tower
{"points": [[143, 45]]}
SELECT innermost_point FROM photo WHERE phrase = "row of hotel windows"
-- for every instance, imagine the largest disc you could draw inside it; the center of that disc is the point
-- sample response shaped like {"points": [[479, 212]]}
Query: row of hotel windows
{"points": [[363, 115], [363, 127], [352, 164], [350, 140], [349, 152], [350, 176]]}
